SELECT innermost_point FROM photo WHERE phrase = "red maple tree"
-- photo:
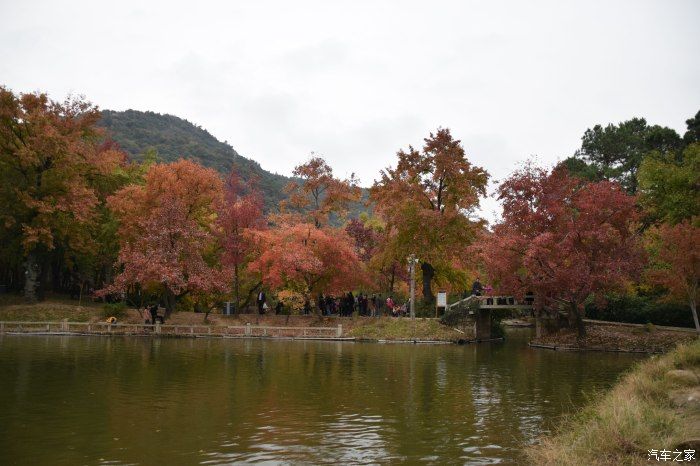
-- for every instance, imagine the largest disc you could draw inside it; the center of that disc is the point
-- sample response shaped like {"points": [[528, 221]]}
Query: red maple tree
{"points": [[242, 210], [562, 239], [365, 236], [167, 232]]}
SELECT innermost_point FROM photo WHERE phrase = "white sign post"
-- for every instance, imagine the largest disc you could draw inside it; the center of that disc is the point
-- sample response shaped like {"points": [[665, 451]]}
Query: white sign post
{"points": [[441, 301]]}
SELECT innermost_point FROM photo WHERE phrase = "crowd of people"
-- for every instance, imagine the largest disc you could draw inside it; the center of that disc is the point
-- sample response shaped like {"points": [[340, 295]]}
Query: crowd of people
{"points": [[343, 305]]}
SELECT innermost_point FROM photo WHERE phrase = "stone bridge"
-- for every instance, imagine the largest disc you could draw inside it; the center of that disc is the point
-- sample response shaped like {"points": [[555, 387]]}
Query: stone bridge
{"points": [[479, 309]]}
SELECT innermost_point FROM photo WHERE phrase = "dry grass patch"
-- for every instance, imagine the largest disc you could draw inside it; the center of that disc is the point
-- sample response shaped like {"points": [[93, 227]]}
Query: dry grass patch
{"points": [[388, 328], [48, 312], [637, 415]]}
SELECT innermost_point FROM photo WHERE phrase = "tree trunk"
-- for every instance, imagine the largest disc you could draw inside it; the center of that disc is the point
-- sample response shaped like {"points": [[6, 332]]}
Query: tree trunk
{"points": [[44, 278], [249, 297], [428, 275], [169, 298], [393, 277], [308, 296], [55, 268], [236, 287], [576, 320], [581, 327], [31, 277], [694, 309], [107, 276]]}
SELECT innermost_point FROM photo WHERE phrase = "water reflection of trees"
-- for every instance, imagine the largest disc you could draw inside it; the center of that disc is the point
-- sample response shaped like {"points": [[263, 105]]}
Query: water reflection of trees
{"points": [[223, 400]]}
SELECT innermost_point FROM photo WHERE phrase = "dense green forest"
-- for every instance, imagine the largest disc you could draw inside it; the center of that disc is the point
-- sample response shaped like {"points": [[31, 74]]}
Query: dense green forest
{"points": [[175, 138]]}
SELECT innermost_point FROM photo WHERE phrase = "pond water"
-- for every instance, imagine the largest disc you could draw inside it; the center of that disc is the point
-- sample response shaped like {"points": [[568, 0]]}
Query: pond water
{"points": [[130, 400]]}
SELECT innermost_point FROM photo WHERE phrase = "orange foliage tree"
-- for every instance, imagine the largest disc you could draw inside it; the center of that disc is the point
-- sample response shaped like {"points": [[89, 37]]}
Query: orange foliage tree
{"points": [[307, 259], [427, 201], [320, 194], [50, 174], [168, 234], [674, 252]]}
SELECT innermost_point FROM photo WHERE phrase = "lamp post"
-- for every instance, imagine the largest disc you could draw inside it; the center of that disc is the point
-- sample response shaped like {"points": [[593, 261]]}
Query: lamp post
{"points": [[412, 261]]}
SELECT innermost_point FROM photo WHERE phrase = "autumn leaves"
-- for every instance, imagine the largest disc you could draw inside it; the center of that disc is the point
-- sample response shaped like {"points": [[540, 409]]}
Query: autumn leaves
{"points": [[74, 206]]}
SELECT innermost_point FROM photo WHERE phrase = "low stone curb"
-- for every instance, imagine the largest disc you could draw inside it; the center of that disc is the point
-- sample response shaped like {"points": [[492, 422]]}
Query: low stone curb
{"points": [[177, 335], [427, 342], [599, 349], [630, 325]]}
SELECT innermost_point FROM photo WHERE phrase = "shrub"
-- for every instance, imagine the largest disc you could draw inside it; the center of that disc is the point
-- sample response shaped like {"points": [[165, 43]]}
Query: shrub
{"points": [[293, 301], [641, 310], [452, 318], [423, 309], [185, 304]]}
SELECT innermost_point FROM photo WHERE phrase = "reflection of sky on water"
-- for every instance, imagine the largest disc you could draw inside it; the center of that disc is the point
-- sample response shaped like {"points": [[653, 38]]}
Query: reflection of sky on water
{"points": [[354, 438], [344, 439]]}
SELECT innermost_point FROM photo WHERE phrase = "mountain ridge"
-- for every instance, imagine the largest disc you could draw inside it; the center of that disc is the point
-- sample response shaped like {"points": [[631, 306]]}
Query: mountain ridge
{"points": [[173, 138]]}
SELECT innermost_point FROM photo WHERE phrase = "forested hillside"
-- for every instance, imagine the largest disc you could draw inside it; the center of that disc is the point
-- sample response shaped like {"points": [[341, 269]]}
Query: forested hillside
{"points": [[176, 138]]}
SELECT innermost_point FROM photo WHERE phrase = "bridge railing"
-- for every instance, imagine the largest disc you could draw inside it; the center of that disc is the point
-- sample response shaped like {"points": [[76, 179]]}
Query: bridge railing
{"points": [[459, 314], [502, 302], [492, 302], [462, 302]]}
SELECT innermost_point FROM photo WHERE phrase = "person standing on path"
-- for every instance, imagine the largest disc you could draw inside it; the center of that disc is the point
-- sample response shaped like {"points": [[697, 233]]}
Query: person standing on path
{"points": [[153, 310], [261, 300], [477, 287]]}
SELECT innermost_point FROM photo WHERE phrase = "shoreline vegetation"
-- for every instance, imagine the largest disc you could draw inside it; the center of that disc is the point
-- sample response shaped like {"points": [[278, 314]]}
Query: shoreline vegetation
{"points": [[616, 337], [655, 406], [601, 336]]}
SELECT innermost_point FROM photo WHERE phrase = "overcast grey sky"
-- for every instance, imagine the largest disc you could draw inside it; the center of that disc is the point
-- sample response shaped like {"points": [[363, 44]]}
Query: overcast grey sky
{"points": [[355, 81]]}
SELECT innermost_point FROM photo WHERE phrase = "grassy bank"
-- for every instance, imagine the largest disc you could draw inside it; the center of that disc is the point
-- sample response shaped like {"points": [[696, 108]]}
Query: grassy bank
{"points": [[13, 308], [389, 328], [655, 406]]}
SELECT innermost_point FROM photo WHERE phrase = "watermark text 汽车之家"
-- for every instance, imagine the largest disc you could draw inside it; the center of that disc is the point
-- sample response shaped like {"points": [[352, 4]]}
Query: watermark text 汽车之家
{"points": [[671, 455]]}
